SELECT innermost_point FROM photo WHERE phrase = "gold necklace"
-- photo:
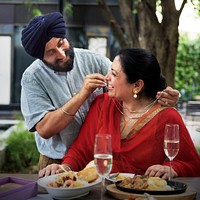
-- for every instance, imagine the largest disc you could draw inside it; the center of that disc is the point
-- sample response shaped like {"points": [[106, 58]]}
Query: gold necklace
{"points": [[145, 110]]}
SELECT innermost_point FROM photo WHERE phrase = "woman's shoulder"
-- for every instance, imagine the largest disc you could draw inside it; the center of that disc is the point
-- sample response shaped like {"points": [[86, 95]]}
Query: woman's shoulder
{"points": [[169, 110], [170, 113]]}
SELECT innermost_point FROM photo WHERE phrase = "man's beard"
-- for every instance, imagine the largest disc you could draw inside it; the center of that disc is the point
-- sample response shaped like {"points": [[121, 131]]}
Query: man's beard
{"points": [[67, 66]]}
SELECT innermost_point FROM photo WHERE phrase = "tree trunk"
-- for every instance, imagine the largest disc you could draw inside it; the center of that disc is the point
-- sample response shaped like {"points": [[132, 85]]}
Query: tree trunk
{"points": [[159, 37]]}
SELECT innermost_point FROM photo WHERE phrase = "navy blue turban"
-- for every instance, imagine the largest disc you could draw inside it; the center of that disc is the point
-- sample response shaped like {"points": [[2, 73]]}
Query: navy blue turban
{"points": [[40, 30]]}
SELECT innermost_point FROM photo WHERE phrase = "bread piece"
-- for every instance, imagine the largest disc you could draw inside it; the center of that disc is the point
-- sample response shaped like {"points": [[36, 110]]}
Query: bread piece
{"points": [[88, 174], [90, 164]]}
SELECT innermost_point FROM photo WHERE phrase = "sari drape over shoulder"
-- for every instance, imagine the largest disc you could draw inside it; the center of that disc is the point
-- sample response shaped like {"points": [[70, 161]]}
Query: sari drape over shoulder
{"points": [[143, 147]]}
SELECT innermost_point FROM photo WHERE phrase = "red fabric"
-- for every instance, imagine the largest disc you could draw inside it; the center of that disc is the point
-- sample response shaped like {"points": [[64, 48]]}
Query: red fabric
{"points": [[143, 149]]}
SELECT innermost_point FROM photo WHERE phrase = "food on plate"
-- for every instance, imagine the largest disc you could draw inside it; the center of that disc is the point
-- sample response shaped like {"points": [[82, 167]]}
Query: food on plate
{"points": [[120, 177], [72, 179], [66, 180], [146, 183], [88, 174], [90, 164]]}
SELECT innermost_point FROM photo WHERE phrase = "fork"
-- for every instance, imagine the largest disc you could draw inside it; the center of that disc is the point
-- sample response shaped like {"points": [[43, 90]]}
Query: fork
{"points": [[113, 176]]}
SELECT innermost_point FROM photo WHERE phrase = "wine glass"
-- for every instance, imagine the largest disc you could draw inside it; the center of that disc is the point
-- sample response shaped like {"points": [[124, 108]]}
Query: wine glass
{"points": [[171, 143], [103, 156]]}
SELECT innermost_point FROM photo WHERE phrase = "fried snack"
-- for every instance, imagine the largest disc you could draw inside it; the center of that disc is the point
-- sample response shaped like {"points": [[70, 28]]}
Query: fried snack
{"points": [[90, 164], [146, 183], [72, 179], [88, 174], [72, 184], [61, 178], [67, 180]]}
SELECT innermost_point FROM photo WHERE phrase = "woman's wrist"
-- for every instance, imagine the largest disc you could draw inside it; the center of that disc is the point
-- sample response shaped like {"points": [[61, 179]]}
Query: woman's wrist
{"points": [[67, 167]]}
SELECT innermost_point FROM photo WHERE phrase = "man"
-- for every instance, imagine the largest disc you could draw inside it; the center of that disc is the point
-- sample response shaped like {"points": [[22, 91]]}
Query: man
{"points": [[59, 87]]}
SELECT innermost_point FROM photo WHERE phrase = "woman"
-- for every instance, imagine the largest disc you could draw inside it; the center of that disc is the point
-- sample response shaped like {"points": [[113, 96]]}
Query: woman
{"points": [[131, 114]]}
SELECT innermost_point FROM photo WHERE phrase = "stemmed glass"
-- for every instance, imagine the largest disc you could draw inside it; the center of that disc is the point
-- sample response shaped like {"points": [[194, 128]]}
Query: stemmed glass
{"points": [[103, 156], [171, 143]]}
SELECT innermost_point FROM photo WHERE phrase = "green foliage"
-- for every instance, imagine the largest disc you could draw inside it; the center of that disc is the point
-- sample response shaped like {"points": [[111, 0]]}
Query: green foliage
{"points": [[68, 8], [187, 72], [30, 4], [196, 4], [198, 149], [36, 12], [21, 150]]}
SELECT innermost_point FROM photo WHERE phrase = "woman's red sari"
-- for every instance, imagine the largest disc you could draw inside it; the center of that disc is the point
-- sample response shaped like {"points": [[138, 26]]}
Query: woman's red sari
{"points": [[142, 149]]}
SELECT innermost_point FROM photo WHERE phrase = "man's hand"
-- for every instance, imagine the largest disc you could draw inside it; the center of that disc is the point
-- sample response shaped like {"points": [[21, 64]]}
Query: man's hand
{"points": [[160, 171], [92, 82], [168, 97]]}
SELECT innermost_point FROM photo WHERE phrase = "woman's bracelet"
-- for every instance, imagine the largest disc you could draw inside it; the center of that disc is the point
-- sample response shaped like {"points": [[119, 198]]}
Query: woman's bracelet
{"points": [[68, 167], [66, 113], [65, 167]]}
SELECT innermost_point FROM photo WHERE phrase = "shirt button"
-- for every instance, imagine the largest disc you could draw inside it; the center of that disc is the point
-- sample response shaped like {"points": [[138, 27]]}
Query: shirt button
{"points": [[74, 93], [83, 114]]}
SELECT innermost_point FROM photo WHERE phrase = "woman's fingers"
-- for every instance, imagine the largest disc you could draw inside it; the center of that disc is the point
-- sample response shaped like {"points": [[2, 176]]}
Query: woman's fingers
{"points": [[160, 171]]}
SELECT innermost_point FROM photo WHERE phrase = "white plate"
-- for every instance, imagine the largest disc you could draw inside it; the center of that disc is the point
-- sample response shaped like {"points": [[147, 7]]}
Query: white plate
{"points": [[114, 178], [65, 193]]}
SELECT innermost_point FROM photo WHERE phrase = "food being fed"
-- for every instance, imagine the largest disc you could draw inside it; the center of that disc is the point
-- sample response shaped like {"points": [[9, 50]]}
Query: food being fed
{"points": [[146, 183]]}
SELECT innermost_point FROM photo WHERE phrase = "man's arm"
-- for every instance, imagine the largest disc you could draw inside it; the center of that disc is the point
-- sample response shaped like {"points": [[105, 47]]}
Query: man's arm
{"points": [[55, 121]]}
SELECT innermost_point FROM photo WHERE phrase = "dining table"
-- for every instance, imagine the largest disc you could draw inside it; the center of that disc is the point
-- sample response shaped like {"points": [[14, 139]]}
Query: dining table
{"points": [[192, 182]]}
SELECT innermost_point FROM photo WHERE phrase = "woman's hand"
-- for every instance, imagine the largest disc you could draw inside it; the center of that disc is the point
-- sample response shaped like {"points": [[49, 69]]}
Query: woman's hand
{"points": [[160, 171], [168, 97], [50, 169]]}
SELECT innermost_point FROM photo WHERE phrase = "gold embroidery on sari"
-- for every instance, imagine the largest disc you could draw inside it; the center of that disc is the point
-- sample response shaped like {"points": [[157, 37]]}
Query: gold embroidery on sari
{"points": [[132, 127]]}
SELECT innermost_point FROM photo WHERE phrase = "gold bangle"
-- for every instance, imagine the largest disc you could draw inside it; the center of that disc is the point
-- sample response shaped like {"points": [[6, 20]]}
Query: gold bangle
{"points": [[66, 113], [64, 166]]}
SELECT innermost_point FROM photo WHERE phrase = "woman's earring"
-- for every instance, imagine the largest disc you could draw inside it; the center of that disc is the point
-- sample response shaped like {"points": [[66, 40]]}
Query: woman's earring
{"points": [[135, 95]]}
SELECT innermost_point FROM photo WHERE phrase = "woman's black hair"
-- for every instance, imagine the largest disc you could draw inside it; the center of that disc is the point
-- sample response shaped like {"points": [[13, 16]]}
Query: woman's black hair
{"points": [[140, 63]]}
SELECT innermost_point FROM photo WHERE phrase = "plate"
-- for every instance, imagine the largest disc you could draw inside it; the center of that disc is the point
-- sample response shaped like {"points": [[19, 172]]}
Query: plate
{"points": [[109, 177], [178, 188], [65, 193]]}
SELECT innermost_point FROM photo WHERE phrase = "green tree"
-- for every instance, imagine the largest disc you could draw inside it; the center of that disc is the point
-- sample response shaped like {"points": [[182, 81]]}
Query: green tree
{"points": [[188, 67], [141, 27]]}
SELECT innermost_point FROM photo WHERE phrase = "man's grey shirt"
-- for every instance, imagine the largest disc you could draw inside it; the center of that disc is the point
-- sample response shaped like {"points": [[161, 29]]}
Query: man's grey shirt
{"points": [[44, 90]]}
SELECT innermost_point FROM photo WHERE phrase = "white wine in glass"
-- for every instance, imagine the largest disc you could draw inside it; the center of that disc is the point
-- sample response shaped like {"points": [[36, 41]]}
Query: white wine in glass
{"points": [[103, 155], [171, 143]]}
